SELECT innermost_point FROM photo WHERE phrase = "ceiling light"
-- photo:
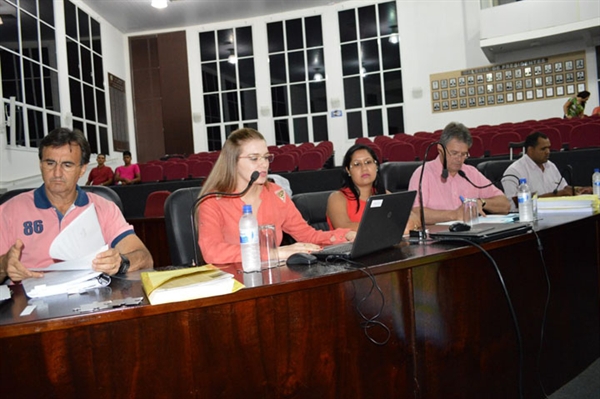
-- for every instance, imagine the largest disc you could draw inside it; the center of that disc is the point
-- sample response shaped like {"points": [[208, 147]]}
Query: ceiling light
{"points": [[394, 38], [159, 3], [232, 59], [318, 77]]}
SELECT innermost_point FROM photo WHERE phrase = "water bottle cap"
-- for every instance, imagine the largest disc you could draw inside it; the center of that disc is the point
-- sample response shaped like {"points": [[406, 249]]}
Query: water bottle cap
{"points": [[522, 181], [596, 170], [247, 209]]}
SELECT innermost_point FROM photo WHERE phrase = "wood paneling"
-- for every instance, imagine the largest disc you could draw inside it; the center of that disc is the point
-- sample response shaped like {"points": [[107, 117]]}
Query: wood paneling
{"points": [[299, 333], [161, 95]]}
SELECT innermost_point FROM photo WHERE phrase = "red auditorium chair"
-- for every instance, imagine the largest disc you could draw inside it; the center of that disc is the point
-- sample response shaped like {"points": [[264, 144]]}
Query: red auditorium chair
{"points": [[398, 152], [200, 169], [433, 152], [283, 163], [363, 140], [499, 144], [151, 173], [585, 135], [155, 204], [176, 171], [382, 140], [476, 150], [311, 160]]}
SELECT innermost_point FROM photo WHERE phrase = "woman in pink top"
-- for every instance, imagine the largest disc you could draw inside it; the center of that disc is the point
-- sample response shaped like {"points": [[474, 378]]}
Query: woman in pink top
{"points": [[361, 179], [245, 152]]}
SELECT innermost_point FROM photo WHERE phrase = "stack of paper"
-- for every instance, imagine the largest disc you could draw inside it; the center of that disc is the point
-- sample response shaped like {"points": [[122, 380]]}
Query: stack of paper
{"points": [[77, 244], [186, 284], [577, 204]]}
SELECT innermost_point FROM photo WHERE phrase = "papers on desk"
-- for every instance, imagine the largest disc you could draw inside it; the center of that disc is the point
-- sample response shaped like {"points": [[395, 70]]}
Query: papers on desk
{"points": [[487, 219], [186, 284], [64, 282], [77, 245], [576, 204]]}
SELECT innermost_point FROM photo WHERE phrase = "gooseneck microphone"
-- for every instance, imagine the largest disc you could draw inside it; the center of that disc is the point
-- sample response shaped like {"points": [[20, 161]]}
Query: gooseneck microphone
{"points": [[464, 176], [255, 175], [422, 233]]}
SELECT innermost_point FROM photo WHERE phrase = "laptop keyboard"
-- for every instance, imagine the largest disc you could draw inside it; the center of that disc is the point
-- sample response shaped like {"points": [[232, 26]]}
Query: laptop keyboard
{"points": [[344, 248]]}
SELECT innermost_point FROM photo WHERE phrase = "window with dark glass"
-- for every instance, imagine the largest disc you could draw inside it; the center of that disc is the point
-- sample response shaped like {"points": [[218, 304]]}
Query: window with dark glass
{"points": [[29, 74], [228, 82], [371, 70], [86, 76], [298, 89]]}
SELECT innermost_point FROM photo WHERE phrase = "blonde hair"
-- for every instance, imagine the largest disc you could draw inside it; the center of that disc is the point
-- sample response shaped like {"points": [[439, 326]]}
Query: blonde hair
{"points": [[223, 176]]}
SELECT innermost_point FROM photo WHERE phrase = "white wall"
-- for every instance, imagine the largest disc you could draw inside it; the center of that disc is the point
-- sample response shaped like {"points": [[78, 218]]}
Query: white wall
{"points": [[435, 36]]}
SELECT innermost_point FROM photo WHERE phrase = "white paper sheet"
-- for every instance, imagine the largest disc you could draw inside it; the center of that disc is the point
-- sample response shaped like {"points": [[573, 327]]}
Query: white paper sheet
{"points": [[80, 238], [77, 244]]}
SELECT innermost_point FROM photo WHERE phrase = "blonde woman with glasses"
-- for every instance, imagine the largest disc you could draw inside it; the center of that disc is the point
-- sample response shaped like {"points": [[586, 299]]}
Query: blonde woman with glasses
{"points": [[245, 152]]}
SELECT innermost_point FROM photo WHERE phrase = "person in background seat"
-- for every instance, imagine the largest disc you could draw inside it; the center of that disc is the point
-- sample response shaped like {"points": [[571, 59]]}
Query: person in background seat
{"points": [[101, 175], [128, 173]]}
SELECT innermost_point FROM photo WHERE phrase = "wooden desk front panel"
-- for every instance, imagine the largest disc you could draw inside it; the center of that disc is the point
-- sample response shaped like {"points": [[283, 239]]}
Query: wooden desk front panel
{"points": [[302, 344], [451, 331]]}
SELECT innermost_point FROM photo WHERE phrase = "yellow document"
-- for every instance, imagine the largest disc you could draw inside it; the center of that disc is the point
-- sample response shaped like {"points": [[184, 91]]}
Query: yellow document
{"points": [[186, 284]]}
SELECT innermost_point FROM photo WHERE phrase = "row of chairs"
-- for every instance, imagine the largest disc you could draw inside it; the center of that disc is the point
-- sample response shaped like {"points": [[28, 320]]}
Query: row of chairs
{"points": [[306, 156], [156, 171], [488, 140]]}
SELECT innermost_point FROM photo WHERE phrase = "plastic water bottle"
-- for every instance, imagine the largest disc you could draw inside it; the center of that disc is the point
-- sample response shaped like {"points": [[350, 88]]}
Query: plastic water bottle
{"points": [[249, 241], [525, 202], [596, 182]]}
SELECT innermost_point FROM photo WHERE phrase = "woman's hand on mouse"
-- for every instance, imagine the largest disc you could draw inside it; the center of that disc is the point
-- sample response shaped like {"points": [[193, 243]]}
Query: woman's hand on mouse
{"points": [[350, 236], [285, 251]]}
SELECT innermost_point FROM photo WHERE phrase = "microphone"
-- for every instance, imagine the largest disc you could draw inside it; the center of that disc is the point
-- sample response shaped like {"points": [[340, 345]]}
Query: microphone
{"points": [[464, 176], [255, 175], [444, 163], [422, 233], [570, 169]]}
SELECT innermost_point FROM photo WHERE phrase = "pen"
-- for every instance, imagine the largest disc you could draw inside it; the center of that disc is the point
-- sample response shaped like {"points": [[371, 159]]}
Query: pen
{"points": [[462, 199]]}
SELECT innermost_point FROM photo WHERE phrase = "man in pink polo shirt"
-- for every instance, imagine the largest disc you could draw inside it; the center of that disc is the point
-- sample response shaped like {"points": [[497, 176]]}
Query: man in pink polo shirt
{"points": [[128, 173], [442, 197], [29, 222]]}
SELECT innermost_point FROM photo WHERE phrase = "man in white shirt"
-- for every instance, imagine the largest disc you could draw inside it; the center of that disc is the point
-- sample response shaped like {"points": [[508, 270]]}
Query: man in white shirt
{"points": [[542, 174]]}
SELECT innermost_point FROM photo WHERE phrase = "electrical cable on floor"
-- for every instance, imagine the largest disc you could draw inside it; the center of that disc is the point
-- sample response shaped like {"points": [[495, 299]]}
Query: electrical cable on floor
{"points": [[508, 300], [544, 314]]}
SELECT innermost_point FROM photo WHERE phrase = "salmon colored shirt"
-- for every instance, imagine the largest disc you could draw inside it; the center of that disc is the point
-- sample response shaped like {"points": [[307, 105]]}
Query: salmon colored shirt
{"points": [[218, 224]]}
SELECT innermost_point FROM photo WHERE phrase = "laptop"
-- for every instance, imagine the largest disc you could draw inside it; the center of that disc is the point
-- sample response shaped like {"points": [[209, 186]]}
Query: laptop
{"points": [[483, 232], [381, 226]]}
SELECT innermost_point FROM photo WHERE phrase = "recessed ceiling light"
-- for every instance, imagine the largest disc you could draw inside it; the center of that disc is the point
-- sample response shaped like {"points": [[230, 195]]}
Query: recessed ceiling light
{"points": [[159, 3]]}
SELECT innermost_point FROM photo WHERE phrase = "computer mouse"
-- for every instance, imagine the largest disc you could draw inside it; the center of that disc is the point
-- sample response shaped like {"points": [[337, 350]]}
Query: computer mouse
{"points": [[460, 227], [301, 259]]}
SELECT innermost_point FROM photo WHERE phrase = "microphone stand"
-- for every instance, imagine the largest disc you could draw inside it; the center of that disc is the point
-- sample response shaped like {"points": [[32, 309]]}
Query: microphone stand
{"points": [[464, 176], [255, 175], [421, 234]]}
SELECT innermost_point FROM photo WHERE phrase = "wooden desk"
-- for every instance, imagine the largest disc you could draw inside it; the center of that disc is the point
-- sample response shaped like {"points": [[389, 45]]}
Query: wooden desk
{"points": [[299, 334]]}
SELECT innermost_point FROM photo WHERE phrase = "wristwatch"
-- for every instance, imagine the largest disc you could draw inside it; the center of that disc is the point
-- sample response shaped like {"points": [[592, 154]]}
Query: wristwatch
{"points": [[124, 265], [483, 203]]}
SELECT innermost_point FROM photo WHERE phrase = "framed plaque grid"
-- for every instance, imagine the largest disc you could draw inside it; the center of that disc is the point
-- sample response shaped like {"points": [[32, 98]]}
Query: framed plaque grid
{"points": [[510, 83]]}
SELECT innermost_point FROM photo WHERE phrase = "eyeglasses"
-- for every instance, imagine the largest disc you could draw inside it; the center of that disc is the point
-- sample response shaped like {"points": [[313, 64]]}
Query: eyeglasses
{"points": [[255, 157], [456, 154], [67, 166], [359, 164]]}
